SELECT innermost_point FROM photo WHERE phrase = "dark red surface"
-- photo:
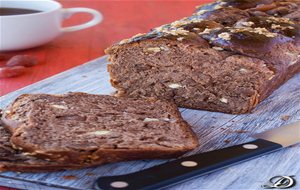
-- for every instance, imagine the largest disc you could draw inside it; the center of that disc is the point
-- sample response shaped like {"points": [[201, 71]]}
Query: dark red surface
{"points": [[122, 19]]}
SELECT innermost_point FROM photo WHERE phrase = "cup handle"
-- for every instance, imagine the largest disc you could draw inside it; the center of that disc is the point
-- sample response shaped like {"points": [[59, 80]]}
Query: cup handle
{"points": [[66, 13]]}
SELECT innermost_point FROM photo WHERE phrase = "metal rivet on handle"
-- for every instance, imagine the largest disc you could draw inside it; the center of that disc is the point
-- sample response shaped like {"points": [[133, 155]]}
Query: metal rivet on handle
{"points": [[189, 163], [119, 184], [250, 146]]}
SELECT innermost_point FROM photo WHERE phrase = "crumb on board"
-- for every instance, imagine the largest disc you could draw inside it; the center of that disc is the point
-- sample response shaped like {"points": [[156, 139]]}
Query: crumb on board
{"points": [[70, 177], [90, 174], [227, 141], [285, 117], [241, 131]]}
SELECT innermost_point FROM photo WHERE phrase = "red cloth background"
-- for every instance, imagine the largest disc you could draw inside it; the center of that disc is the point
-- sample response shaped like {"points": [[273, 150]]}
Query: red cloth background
{"points": [[122, 19]]}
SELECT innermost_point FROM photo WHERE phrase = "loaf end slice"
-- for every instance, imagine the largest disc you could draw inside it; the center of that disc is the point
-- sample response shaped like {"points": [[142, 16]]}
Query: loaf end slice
{"points": [[94, 129], [15, 160]]}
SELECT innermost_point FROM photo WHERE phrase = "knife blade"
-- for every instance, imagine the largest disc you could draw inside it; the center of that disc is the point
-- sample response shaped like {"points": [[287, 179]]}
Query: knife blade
{"points": [[186, 168]]}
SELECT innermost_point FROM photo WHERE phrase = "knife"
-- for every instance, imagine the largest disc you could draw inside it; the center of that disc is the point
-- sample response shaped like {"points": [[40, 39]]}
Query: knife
{"points": [[185, 168]]}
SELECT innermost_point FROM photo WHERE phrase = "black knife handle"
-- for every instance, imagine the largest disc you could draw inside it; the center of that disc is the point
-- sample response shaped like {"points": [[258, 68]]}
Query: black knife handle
{"points": [[186, 168]]}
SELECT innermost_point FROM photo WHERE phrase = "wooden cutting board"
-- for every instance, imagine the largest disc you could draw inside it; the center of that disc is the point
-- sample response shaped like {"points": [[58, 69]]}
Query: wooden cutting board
{"points": [[215, 130]]}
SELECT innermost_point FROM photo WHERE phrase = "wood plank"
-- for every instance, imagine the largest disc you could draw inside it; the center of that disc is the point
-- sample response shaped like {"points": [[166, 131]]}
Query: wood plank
{"points": [[215, 130], [21, 184]]}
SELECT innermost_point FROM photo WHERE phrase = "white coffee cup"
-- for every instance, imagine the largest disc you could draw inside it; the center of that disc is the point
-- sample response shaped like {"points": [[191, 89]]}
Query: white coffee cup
{"points": [[24, 31]]}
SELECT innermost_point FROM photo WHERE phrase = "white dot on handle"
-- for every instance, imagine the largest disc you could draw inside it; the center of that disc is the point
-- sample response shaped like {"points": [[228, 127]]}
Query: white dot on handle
{"points": [[250, 146], [119, 184], [189, 163]]}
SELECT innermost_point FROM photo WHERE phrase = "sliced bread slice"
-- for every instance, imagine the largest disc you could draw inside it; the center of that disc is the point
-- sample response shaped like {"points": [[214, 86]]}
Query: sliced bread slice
{"points": [[83, 128]]}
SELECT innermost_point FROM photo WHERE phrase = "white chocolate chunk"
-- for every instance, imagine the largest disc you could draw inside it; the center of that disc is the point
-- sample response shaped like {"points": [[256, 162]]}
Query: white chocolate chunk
{"points": [[175, 85], [271, 77], [224, 100], [59, 106], [180, 38], [217, 48], [150, 119], [153, 49], [104, 132], [164, 48], [242, 70]]}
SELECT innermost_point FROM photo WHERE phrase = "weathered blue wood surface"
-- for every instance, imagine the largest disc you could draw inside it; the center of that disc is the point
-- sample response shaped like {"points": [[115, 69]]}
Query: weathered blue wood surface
{"points": [[215, 130]]}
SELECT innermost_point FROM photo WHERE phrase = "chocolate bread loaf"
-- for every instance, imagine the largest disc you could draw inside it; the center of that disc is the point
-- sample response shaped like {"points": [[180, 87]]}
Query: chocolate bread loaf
{"points": [[228, 56], [88, 129]]}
